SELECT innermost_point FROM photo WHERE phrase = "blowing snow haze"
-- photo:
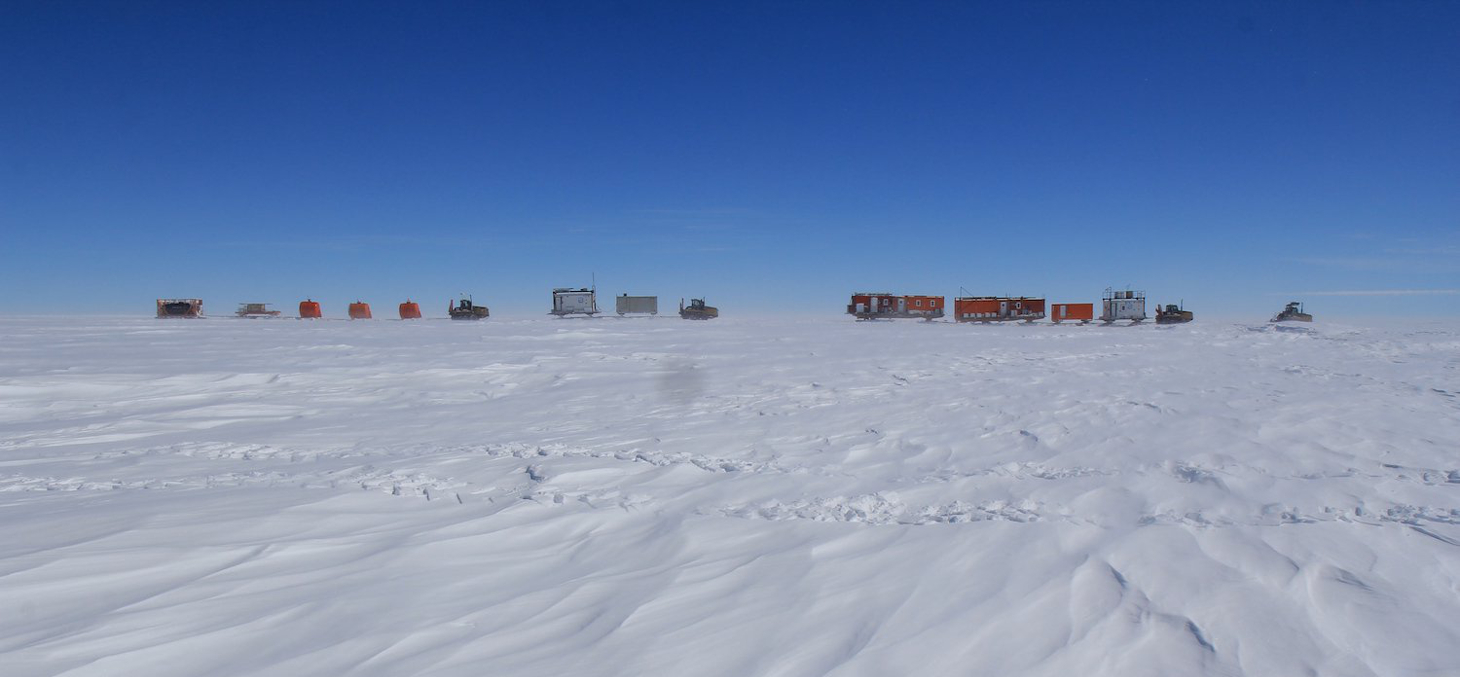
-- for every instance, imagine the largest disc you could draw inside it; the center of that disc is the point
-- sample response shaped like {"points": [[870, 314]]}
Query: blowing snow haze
{"points": [[721, 454]]}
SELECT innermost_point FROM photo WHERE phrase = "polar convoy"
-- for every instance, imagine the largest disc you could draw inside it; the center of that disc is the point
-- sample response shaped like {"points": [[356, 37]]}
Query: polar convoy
{"points": [[566, 301], [1115, 305]]}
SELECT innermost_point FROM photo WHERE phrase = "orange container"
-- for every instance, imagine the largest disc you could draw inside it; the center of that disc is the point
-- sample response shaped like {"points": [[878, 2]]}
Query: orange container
{"points": [[359, 310], [924, 303], [975, 309], [309, 309], [410, 310], [1083, 312], [997, 308]]}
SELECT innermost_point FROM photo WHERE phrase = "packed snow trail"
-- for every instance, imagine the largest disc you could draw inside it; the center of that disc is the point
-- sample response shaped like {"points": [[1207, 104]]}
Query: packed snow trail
{"points": [[748, 496]]}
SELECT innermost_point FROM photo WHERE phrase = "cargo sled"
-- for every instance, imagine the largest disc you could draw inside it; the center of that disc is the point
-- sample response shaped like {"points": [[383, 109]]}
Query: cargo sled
{"points": [[625, 304], [256, 310]]}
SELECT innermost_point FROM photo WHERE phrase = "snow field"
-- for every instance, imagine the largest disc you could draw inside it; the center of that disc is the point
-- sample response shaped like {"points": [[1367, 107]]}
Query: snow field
{"points": [[744, 496]]}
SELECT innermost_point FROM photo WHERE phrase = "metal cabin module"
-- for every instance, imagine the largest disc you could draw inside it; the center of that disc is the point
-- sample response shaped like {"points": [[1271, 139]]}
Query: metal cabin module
{"points": [[625, 304], [877, 305], [568, 301], [997, 308], [179, 307], [1122, 305]]}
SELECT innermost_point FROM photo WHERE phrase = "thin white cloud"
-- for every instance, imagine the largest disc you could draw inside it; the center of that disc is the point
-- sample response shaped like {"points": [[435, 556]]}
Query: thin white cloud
{"points": [[1354, 262], [1442, 250], [1379, 292]]}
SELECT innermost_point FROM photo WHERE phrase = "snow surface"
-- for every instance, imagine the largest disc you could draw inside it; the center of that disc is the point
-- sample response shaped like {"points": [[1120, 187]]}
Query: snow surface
{"points": [[736, 497]]}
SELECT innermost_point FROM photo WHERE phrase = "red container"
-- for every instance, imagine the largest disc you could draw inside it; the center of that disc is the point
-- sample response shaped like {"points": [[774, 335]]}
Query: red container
{"points": [[410, 310], [359, 310], [1063, 312], [309, 310]]}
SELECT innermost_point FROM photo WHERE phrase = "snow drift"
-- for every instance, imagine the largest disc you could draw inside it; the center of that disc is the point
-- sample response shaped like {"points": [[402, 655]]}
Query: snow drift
{"points": [[739, 497]]}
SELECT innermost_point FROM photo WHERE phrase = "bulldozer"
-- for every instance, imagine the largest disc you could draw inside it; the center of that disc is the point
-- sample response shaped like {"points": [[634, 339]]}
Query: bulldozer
{"points": [[1292, 313], [1173, 314], [466, 310], [697, 310]]}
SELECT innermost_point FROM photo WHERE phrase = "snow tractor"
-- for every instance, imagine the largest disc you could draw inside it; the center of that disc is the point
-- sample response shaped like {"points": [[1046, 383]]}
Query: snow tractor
{"points": [[1292, 313], [466, 310], [697, 310], [1173, 314]]}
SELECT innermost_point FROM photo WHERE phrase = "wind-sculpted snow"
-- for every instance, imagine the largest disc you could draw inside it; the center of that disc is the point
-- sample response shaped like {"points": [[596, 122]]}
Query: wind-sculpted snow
{"points": [[738, 497]]}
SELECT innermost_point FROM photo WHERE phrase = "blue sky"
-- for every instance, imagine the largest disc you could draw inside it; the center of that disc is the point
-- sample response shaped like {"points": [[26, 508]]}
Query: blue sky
{"points": [[767, 155]]}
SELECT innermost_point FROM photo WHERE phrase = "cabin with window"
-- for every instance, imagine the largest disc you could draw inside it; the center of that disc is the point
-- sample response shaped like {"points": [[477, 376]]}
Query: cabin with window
{"points": [[997, 308], [880, 305]]}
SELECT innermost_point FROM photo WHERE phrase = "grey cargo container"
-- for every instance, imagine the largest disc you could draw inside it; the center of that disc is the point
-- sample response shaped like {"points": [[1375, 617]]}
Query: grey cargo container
{"points": [[625, 304]]}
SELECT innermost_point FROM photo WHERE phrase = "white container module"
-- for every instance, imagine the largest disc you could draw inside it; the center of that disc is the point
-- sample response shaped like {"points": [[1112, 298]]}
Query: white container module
{"points": [[1122, 305], [625, 304], [567, 301]]}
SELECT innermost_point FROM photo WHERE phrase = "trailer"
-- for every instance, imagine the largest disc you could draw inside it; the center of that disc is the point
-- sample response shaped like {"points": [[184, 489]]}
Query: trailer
{"points": [[882, 305], [170, 308], [568, 301], [625, 304], [256, 310], [997, 308], [1072, 312], [360, 310], [410, 310], [1122, 305]]}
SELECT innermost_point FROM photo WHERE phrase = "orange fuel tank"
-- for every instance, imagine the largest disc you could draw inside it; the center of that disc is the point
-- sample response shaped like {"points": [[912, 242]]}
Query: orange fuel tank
{"points": [[410, 310], [309, 309], [359, 310]]}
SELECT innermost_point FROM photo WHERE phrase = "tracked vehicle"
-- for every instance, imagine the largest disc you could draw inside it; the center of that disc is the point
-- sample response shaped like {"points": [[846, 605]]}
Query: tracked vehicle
{"points": [[1173, 314], [1292, 313], [465, 309], [697, 310]]}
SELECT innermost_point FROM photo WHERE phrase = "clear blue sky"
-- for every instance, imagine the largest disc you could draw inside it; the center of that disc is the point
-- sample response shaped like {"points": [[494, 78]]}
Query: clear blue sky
{"points": [[1231, 154]]}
